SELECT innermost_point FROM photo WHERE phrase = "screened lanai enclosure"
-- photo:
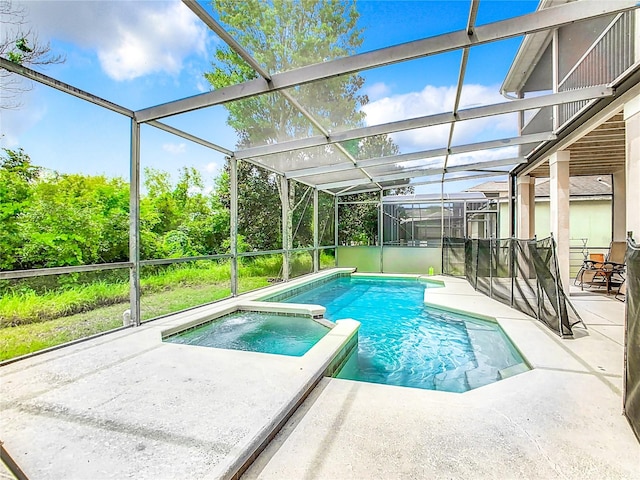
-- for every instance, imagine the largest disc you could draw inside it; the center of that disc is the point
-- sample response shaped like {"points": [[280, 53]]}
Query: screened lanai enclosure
{"points": [[312, 178]]}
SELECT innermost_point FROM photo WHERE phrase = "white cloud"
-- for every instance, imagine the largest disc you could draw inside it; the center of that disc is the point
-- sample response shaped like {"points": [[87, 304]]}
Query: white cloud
{"points": [[132, 39], [483, 156], [211, 167], [377, 90], [15, 122], [174, 148], [202, 85], [433, 100]]}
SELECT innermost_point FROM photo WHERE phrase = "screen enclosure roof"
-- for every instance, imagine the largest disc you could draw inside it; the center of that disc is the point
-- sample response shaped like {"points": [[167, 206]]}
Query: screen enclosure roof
{"points": [[347, 151]]}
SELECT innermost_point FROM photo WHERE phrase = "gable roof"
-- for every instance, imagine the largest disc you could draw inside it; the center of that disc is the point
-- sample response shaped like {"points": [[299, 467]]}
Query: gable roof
{"points": [[579, 186]]}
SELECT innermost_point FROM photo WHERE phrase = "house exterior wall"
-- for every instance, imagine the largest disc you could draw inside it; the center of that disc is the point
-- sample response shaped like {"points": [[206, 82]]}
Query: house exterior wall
{"points": [[503, 219], [589, 219]]}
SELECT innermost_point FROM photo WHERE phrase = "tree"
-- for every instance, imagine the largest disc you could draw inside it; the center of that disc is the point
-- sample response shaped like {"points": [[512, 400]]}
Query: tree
{"points": [[74, 219], [50, 219], [20, 45], [259, 214], [17, 175], [180, 220], [283, 35]]}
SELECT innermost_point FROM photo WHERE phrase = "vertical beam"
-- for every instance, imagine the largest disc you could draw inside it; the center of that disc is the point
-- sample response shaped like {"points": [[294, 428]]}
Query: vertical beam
{"points": [[512, 205], [559, 210], [134, 224], [632, 126], [381, 231], [524, 207], [442, 214], [464, 220], [316, 236], [335, 225], [532, 208], [284, 194], [555, 65], [233, 227], [619, 206], [637, 35], [520, 116]]}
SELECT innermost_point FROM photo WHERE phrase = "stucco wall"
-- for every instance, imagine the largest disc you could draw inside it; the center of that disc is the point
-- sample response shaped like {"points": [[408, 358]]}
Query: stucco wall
{"points": [[589, 219], [394, 259]]}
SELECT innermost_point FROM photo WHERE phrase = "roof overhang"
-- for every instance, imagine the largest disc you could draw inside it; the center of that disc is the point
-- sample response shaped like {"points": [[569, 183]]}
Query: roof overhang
{"points": [[529, 54], [597, 113]]}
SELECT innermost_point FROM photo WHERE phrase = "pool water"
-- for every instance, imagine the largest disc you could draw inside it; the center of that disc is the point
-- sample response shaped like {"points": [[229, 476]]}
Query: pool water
{"points": [[403, 342], [256, 332]]}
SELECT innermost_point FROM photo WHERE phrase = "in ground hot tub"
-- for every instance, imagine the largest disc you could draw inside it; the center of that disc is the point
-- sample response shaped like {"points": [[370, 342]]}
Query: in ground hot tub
{"points": [[283, 329], [266, 332]]}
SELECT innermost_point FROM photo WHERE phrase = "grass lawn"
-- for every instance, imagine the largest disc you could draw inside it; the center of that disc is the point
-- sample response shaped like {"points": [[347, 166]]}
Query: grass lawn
{"points": [[32, 319], [23, 339]]}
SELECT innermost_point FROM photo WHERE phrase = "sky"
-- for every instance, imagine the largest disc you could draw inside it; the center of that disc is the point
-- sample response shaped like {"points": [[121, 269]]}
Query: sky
{"points": [[142, 53]]}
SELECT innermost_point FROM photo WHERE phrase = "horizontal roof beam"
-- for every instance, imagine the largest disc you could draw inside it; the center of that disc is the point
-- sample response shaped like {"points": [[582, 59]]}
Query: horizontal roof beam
{"points": [[343, 184], [503, 142], [63, 87], [188, 136], [428, 182], [425, 154], [511, 106], [453, 179], [423, 172], [503, 162], [512, 27]]}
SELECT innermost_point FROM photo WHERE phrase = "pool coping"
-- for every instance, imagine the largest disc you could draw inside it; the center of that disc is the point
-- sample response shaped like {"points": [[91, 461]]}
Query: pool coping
{"points": [[526, 426], [334, 357], [330, 350], [263, 301]]}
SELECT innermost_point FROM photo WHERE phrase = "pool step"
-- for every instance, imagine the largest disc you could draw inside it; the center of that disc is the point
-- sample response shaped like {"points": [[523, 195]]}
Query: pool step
{"points": [[481, 376], [513, 370], [453, 380]]}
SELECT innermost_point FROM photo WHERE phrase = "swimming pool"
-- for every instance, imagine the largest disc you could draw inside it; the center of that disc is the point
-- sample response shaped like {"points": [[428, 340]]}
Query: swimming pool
{"points": [[256, 332], [403, 342]]}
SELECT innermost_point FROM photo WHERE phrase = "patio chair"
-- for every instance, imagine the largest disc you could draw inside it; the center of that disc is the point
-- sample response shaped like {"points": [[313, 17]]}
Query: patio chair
{"points": [[607, 272]]}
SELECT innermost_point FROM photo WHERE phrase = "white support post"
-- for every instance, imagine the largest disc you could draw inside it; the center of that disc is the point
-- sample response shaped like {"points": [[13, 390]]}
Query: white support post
{"points": [[233, 227], [559, 211], [284, 194], [632, 126], [335, 224], [532, 208], [619, 206], [555, 65], [134, 224], [381, 231], [316, 233], [524, 207]]}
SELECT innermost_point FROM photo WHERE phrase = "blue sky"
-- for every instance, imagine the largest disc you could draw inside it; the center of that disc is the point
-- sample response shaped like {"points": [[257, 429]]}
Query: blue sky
{"points": [[142, 53]]}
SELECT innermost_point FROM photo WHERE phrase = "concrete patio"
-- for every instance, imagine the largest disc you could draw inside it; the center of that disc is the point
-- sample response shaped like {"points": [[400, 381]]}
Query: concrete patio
{"points": [[127, 405], [561, 420]]}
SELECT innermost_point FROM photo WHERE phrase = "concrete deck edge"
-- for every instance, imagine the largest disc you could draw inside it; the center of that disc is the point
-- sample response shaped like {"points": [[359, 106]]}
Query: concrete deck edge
{"points": [[327, 350]]}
